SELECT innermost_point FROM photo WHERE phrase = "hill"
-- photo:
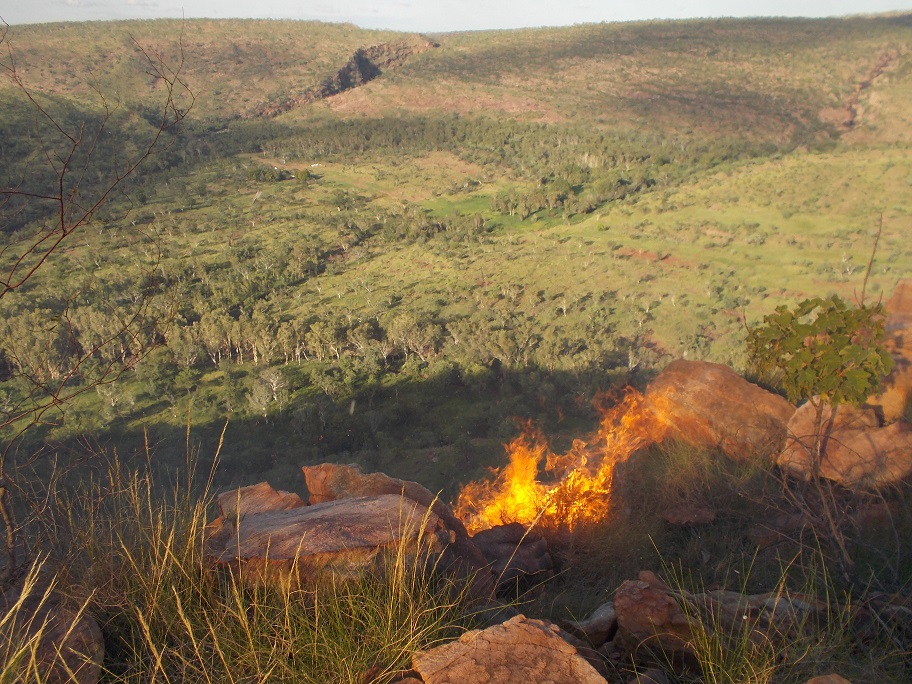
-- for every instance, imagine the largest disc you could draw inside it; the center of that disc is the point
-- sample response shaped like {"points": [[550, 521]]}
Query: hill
{"points": [[477, 226]]}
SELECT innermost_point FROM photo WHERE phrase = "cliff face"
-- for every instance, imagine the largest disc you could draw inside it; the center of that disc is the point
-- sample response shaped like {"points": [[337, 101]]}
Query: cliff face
{"points": [[364, 66]]}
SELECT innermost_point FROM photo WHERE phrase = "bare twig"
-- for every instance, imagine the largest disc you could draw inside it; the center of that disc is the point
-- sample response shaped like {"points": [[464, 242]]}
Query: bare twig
{"points": [[68, 154]]}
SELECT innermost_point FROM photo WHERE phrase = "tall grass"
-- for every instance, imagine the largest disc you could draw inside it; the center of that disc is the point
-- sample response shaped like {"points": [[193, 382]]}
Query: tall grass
{"points": [[169, 616]]}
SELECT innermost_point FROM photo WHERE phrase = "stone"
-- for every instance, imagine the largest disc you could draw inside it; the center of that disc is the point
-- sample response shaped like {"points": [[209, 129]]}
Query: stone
{"points": [[258, 498], [855, 451], [649, 618], [652, 617], [709, 405], [519, 651], [69, 641], [344, 536], [597, 629], [896, 396], [828, 679], [333, 482], [519, 558]]}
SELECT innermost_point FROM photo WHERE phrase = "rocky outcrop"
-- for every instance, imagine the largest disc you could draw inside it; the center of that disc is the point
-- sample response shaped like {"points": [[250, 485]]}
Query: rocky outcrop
{"points": [[364, 66], [854, 450], [896, 397], [828, 679], [709, 405], [519, 651], [649, 618], [334, 482], [258, 498], [597, 629], [342, 536], [69, 646]]}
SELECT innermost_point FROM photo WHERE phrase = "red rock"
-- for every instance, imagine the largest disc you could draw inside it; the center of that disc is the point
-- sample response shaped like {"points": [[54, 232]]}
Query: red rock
{"points": [[896, 395], [649, 617], [854, 450], [333, 482], [519, 558], [258, 498], [828, 679], [344, 536], [709, 405], [519, 651], [596, 629]]}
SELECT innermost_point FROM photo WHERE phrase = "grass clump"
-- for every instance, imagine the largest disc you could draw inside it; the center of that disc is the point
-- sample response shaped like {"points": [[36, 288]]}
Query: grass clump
{"points": [[786, 636], [169, 616]]}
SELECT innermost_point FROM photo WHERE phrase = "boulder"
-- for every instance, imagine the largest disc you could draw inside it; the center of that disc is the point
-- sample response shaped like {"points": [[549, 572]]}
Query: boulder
{"points": [[649, 618], [519, 558], [709, 405], [70, 645], [652, 617], [855, 451], [333, 482], [519, 651], [258, 498], [345, 536], [597, 629], [896, 394]]}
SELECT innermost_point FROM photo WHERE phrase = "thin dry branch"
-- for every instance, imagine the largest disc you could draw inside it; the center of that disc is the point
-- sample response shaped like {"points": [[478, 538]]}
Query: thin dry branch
{"points": [[69, 154]]}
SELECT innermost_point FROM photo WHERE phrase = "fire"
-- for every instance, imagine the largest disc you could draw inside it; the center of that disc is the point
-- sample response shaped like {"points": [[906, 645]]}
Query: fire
{"points": [[577, 489]]}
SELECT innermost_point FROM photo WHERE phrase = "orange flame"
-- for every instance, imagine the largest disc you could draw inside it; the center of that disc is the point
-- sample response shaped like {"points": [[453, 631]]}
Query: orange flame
{"points": [[579, 482]]}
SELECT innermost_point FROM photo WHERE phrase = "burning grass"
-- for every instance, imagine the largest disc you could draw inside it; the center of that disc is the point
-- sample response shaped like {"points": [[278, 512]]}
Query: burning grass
{"points": [[572, 489]]}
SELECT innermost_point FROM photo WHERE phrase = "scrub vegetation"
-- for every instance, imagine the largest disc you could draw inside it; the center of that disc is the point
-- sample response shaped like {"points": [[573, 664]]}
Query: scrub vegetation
{"points": [[392, 270]]}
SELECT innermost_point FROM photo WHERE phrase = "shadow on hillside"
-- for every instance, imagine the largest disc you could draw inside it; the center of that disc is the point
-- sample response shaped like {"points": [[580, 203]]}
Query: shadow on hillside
{"points": [[441, 431]]}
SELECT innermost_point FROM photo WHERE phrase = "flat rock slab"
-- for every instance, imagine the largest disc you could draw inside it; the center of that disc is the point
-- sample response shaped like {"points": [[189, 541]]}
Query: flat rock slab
{"points": [[708, 404], [519, 651], [335, 482], [348, 533]]}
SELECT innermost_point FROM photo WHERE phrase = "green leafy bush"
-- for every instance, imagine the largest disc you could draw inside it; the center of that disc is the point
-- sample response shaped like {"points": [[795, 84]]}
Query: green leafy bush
{"points": [[822, 348]]}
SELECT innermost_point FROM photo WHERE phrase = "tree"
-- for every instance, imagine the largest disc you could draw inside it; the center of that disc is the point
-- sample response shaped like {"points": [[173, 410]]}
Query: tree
{"points": [[68, 178], [827, 353]]}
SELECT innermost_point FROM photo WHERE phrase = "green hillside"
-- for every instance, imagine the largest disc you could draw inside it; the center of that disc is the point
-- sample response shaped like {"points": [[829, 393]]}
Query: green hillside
{"points": [[470, 228]]}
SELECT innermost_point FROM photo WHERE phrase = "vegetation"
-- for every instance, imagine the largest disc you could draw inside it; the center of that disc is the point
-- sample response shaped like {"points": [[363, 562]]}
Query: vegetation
{"points": [[132, 559], [500, 226]]}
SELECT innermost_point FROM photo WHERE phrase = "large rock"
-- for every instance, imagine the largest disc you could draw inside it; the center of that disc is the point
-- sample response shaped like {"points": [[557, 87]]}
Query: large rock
{"points": [[519, 558], [650, 619], [854, 450], [344, 536], [709, 405], [333, 482], [598, 628], [258, 498], [895, 398], [69, 647], [519, 651]]}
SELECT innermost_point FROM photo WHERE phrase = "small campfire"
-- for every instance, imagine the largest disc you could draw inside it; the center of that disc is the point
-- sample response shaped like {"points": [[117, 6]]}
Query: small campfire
{"points": [[540, 488]]}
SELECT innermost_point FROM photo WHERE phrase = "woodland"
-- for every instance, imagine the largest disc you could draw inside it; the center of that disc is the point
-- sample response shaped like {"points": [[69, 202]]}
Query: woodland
{"points": [[236, 248]]}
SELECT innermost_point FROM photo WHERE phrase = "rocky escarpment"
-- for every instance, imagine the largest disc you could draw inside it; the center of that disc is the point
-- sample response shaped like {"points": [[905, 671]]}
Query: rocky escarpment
{"points": [[848, 116], [364, 66]]}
